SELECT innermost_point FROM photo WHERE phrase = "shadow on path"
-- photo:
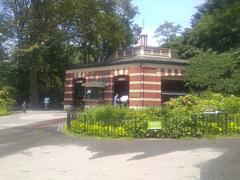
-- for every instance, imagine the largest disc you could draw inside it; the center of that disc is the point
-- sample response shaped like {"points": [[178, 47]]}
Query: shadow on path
{"points": [[16, 140]]}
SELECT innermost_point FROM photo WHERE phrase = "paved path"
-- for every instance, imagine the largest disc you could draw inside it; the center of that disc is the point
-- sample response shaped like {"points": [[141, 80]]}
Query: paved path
{"points": [[31, 117], [54, 125], [30, 152]]}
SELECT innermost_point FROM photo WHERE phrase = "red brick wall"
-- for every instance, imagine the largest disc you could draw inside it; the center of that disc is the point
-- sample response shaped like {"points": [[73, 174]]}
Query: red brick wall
{"points": [[68, 93], [144, 88]]}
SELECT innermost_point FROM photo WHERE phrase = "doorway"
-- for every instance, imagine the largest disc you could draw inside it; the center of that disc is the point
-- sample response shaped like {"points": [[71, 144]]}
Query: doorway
{"points": [[79, 92], [121, 86]]}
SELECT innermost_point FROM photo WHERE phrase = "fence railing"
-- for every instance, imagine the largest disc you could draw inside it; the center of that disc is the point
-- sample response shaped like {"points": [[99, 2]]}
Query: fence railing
{"points": [[219, 123], [196, 125], [107, 127]]}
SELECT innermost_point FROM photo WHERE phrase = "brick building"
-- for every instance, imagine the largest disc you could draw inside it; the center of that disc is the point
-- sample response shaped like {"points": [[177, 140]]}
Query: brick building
{"points": [[148, 75]]}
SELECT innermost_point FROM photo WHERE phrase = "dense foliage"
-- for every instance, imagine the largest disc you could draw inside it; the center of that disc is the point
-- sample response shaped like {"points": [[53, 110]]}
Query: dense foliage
{"points": [[181, 117], [167, 32], [39, 39], [6, 101], [215, 26], [213, 45], [215, 72]]}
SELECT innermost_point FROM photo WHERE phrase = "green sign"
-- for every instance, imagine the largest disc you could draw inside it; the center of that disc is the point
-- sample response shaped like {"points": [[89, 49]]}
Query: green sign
{"points": [[154, 125]]}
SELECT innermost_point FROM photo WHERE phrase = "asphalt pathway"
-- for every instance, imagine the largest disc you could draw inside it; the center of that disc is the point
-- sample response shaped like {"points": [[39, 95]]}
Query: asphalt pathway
{"points": [[30, 118], [33, 147]]}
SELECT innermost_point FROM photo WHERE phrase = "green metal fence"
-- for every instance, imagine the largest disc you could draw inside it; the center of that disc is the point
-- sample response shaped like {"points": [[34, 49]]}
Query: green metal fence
{"points": [[198, 125], [104, 128], [218, 123]]}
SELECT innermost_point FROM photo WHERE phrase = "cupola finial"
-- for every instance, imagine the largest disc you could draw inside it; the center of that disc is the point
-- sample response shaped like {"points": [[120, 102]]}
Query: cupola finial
{"points": [[143, 38]]}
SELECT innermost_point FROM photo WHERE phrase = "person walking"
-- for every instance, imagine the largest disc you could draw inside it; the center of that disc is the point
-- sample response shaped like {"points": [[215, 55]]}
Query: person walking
{"points": [[46, 102], [115, 100], [24, 107]]}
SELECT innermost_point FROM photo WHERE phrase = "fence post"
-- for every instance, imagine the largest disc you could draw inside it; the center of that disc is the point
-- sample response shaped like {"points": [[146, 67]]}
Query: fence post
{"points": [[108, 127], [68, 119], [84, 122], [165, 126], [70, 116], [135, 127], [226, 122], [195, 124]]}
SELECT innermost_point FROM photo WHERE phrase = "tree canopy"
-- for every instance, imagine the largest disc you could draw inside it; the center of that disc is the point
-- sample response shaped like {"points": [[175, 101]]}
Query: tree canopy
{"points": [[214, 44], [215, 72], [40, 38], [167, 32]]}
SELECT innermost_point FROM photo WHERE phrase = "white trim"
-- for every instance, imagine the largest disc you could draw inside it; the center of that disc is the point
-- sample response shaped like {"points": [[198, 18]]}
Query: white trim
{"points": [[69, 85], [103, 76], [135, 90], [144, 74], [147, 91], [68, 79], [118, 74], [126, 71], [145, 82], [68, 99], [179, 72], [145, 99], [68, 92], [121, 72]]}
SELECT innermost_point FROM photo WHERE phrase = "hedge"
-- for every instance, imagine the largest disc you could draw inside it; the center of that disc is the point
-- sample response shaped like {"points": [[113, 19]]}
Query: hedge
{"points": [[181, 117]]}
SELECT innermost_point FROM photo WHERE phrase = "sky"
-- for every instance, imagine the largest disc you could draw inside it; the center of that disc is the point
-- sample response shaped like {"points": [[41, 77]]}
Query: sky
{"points": [[155, 12]]}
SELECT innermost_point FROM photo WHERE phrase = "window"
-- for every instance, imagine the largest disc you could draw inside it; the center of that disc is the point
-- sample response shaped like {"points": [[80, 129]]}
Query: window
{"points": [[94, 93]]}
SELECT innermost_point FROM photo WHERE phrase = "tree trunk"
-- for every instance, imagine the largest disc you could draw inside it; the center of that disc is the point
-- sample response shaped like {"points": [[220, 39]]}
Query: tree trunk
{"points": [[33, 86]]}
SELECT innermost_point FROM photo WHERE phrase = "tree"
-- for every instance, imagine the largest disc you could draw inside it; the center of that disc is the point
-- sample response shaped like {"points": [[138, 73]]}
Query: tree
{"points": [[218, 26], [49, 35], [215, 72], [184, 45], [28, 28], [167, 32], [101, 27], [215, 26]]}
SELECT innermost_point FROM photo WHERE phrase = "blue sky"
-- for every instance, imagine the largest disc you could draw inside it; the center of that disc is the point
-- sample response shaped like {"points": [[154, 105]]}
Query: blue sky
{"points": [[155, 12]]}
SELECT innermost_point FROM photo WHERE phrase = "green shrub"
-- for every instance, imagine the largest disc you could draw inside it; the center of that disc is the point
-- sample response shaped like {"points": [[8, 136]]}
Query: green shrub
{"points": [[186, 118], [135, 123], [101, 121], [5, 101], [181, 117], [3, 112]]}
